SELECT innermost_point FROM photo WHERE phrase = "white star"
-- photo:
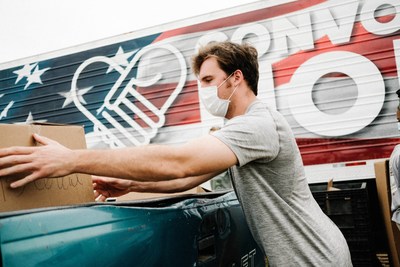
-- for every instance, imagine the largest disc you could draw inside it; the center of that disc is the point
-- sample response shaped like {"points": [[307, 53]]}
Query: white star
{"points": [[3, 114], [30, 120], [80, 93], [35, 76], [121, 58], [24, 72]]}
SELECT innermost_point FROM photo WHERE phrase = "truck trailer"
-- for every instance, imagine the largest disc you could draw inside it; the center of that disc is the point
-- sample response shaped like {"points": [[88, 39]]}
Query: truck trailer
{"points": [[331, 67]]}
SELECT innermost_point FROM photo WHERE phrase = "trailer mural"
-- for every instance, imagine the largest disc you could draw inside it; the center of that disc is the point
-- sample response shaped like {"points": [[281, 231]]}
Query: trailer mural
{"points": [[330, 67]]}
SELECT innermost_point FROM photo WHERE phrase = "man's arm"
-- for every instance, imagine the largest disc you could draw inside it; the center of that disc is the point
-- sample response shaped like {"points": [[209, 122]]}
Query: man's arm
{"points": [[171, 186], [113, 187], [158, 162], [147, 163]]}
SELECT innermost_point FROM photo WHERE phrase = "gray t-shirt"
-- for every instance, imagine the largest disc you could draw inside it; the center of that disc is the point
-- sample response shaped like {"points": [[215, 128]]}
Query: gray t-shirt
{"points": [[271, 186], [394, 169]]}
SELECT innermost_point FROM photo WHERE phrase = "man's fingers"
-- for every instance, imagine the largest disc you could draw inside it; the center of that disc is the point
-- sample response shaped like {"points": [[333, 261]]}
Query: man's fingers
{"points": [[99, 184], [96, 193], [10, 169], [24, 181], [15, 150], [43, 140], [101, 198], [18, 162], [101, 195], [97, 179]]}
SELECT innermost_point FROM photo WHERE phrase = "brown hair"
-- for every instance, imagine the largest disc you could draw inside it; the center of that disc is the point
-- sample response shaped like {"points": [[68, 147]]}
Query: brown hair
{"points": [[230, 57]]}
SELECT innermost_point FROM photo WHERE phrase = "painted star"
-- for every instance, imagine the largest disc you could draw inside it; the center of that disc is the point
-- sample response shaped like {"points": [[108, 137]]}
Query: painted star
{"points": [[121, 58], [30, 120], [35, 76], [24, 72], [69, 99], [3, 114]]}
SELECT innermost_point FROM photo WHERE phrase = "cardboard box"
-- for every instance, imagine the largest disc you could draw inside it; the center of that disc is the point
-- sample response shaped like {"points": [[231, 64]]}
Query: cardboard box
{"points": [[385, 200], [71, 189], [137, 195]]}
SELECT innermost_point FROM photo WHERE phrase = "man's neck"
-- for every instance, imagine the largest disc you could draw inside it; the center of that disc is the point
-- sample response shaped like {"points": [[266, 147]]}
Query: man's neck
{"points": [[241, 107]]}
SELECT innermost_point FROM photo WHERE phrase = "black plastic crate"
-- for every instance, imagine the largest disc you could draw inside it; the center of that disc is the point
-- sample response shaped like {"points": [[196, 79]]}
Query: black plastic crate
{"points": [[349, 209]]}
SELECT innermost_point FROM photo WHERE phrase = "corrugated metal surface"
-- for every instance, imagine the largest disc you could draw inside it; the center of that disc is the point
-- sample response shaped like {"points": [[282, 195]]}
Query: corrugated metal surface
{"points": [[330, 67]]}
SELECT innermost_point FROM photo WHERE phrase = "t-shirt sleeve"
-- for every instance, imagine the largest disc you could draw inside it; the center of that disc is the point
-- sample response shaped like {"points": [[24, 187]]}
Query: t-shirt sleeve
{"points": [[250, 138], [395, 178]]}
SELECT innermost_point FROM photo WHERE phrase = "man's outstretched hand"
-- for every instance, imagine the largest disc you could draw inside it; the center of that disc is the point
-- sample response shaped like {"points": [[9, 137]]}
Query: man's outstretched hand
{"points": [[48, 160], [106, 187]]}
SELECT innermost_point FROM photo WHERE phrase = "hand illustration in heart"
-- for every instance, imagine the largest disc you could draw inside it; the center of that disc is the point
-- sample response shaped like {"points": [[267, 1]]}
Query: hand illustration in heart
{"points": [[126, 117]]}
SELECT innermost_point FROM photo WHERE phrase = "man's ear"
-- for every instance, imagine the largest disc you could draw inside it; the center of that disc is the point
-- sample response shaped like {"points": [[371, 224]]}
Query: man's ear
{"points": [[238, 75]]}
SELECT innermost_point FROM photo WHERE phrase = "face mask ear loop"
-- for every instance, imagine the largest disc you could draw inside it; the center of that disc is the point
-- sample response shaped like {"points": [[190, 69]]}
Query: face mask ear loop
{"points": [[233, 92], [233, 89], [225, 80]]}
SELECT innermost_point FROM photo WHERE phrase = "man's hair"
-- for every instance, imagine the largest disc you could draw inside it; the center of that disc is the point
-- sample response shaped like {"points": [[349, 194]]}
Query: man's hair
{"points": [[230, 57]]}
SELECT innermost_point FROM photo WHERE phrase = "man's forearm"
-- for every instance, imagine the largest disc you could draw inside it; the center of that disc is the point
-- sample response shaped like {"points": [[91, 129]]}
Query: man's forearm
{"points": [[147, 163], [170, 186], [157, 162], [153, 163]]}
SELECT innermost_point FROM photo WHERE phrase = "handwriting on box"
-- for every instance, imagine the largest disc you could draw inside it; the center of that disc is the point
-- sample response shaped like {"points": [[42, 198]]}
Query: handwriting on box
{"points": [[47, 184]]}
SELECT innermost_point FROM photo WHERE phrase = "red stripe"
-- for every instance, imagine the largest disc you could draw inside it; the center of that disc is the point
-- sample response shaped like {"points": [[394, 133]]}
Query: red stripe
{"points": [[358, 163], [377, 49], [260, 14], [184, 110], [321, 151]]}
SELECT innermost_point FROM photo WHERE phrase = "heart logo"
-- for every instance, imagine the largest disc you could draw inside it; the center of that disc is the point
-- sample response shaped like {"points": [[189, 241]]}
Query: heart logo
{"points": [[128, 116]]}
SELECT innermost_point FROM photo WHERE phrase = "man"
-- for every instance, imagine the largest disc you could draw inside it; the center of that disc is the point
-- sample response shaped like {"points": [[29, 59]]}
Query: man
{"points": [[256, 145], [394, 169]]}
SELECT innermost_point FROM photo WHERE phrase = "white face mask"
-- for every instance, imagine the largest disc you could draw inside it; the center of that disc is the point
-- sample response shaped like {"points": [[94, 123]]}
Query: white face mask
{"points": [[215, 105]]}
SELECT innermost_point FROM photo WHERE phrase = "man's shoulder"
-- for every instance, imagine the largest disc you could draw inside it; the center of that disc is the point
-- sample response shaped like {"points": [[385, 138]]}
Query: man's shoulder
{"points": [[255, 125]]}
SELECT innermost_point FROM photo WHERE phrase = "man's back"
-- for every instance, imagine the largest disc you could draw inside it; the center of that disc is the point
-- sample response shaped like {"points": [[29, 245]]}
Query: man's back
{"points": [[273, 190]]}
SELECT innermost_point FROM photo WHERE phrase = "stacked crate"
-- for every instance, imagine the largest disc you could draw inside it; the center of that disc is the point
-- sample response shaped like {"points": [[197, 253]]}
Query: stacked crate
{"points": [[348, 207]]}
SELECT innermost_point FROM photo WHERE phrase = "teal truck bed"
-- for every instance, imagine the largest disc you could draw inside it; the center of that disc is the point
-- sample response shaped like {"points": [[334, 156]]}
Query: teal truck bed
{"points": [[191, 230]]}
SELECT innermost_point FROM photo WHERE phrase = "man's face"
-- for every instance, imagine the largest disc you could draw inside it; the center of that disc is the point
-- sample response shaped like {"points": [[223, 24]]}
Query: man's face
{"points": [[211, 74]]}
